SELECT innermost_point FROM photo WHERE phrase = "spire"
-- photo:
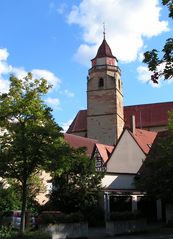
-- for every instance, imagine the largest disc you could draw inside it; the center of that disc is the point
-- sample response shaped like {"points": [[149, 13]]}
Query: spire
{"points": [[104, 49]]}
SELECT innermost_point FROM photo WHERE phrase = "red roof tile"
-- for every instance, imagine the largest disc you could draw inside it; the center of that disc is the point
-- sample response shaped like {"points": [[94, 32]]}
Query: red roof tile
{"points": [[144, 139], [104, 150], [104, 50], [78, 142], [146, 115], [79, 123]]}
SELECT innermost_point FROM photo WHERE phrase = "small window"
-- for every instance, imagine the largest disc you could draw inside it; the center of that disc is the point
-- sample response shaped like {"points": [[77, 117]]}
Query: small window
{"points": [[119, 84], [101, 82]]}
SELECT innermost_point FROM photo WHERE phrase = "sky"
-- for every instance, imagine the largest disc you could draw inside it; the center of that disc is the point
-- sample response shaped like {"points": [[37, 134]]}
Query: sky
{"points": [[57, 39]]}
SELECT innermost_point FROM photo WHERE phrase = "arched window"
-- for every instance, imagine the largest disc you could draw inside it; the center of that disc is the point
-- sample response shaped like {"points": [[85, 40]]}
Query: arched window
{"points": [[101, 82]]}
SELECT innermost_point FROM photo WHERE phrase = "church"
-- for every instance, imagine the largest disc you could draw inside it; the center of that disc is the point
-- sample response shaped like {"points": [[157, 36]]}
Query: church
{"points": [[106, 116], [117, 137]]}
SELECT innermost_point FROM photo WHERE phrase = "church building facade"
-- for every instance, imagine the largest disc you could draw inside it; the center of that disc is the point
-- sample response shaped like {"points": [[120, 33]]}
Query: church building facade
{"points": [[106, 116]]}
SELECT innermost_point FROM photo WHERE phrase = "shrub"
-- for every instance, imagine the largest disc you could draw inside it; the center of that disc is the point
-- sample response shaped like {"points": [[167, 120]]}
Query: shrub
{"points": [[122, 216], [96, 217], [5, 232], [60, 218], [32, 235]]}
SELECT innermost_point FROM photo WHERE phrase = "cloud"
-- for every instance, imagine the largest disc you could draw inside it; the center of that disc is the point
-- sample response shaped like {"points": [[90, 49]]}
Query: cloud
{"points": [[3, 54], [4, 86], [127, 22], [20, 72], [49, 76], [144, 75], [4, 69], [85, 53], [67, 93], [65, 125], [61, 8], [53, 102]]}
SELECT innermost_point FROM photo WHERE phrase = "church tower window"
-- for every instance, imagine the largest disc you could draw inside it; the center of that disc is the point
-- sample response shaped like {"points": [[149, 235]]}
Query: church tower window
{"points": [[101, 82], [119, 84]]}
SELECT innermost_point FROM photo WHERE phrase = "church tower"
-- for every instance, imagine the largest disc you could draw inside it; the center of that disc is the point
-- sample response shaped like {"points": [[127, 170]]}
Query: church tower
{"points": [[105, 119]]}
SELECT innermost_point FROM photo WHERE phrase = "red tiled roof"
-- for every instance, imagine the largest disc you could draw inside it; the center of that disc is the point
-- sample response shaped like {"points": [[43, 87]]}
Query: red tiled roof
{"points": [[104, 50], [146, 115], [104, 150], [78, 142], [144, 139], [79, 123], [156, 145]]}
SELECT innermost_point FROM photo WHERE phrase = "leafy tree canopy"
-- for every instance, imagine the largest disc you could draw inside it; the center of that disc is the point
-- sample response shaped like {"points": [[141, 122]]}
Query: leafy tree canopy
{"points": [[9, 198], [156, 177], [77, 186], [161, 66], [29, 135]]}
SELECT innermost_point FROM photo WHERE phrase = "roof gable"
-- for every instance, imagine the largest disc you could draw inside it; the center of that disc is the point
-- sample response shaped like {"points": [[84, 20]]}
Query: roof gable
{"points": [[130, 151], [104, 150]]}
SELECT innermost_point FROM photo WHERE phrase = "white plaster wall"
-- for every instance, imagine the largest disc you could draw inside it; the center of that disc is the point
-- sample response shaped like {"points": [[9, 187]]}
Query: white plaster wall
{"points": [[127, 156], [118, 181]]}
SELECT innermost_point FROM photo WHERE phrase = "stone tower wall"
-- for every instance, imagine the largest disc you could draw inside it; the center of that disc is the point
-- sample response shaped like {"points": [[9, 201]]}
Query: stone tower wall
{"points": [[105, 120]]}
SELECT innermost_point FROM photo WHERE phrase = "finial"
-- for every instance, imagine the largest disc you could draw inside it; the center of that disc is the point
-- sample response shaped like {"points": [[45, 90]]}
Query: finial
{"points": [[104, 31]]}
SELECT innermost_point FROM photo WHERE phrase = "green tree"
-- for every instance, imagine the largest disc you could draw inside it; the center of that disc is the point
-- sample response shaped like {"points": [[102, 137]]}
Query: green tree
{"points": [[161, 64], [12, 190], [156, 176], [77, 186], [29, 135], [9, 198]]}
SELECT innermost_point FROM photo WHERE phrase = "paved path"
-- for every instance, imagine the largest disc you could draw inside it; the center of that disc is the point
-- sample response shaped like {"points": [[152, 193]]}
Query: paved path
{"points": [[160, 233]]}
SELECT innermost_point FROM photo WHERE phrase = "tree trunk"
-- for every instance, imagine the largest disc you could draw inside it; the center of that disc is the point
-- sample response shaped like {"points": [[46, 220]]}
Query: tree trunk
{"points": [[24, 203]]}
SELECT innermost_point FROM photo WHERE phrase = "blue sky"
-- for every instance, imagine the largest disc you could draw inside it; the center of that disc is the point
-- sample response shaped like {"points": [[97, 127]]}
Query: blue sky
{"points": [[56, 40]]}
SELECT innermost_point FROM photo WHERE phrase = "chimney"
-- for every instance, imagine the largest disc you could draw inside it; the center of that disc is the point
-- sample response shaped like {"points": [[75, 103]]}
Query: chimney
{"points": [[133, 125]]}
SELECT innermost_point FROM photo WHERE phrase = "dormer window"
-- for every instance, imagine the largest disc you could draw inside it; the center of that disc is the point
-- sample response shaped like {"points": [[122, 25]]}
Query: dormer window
{"points": [[101, 82]]}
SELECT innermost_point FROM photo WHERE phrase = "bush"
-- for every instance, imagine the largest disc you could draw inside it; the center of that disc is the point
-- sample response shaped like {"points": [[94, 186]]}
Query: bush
{"points": [[60, 218], [5, 232], [123, 216], [32, 235], [96, 218]]}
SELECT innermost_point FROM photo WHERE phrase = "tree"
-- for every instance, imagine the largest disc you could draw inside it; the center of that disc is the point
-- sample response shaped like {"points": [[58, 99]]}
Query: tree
{"points": [[9, 198], [77, 187], [161, 66], [156, 176], [29, 135]]}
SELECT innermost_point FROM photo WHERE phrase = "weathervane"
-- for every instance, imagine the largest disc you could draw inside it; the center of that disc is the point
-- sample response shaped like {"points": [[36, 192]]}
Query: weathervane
{"points": [[104, 33]]}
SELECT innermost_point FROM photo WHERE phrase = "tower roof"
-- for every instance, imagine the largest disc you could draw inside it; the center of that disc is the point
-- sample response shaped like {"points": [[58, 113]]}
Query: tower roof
{"points": [[104, 50]]}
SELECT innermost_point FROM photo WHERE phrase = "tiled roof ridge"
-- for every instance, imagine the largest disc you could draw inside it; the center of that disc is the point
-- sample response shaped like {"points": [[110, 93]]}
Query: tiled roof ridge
{"points": [[149, 104], [106, 145], [78, 136]]}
